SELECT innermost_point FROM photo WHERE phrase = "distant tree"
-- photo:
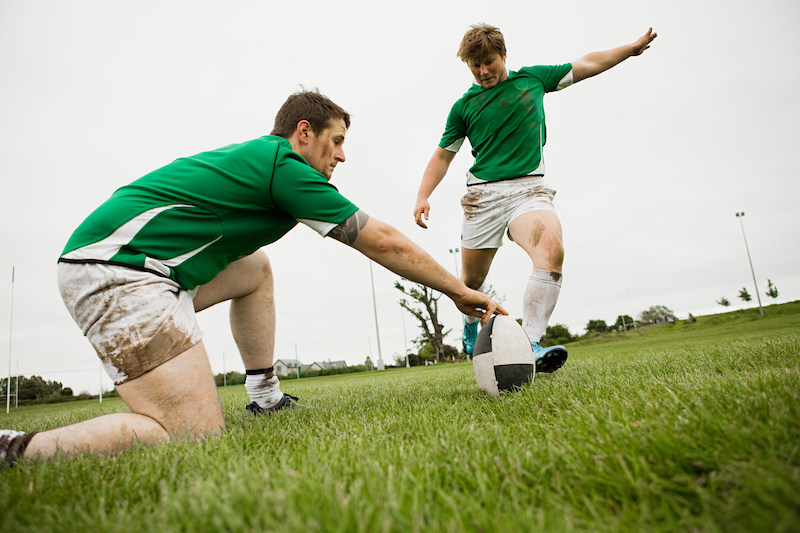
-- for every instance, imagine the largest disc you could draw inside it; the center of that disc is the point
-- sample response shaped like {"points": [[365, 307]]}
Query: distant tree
{"points": [[596, 326], [423, 303], [744, 295], [36, 390], [229, 378], [724, 302], [492, 293], [772, 290], [655, 314], [556, 334], [368, 363], [624, 322]]}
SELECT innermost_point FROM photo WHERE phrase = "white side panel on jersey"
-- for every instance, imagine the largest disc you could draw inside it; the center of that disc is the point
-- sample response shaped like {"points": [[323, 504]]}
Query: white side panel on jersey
{"points": [[323, 228]]}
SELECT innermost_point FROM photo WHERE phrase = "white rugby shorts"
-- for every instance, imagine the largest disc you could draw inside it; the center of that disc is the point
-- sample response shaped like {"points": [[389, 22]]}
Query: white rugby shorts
{"points": [[135, 320], [490, 207]]}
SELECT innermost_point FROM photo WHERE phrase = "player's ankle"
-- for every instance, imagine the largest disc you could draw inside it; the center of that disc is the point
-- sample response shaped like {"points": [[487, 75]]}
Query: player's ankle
{"points": [[265, 391]]}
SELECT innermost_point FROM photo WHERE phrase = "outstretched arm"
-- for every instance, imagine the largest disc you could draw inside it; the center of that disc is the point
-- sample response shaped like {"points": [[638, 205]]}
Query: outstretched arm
{"points": [[597, 62], [434, 173], [386, 246]]}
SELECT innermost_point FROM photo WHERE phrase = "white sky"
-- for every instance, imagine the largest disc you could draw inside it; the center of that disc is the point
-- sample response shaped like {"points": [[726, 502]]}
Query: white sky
{"points": [[651, 159]]}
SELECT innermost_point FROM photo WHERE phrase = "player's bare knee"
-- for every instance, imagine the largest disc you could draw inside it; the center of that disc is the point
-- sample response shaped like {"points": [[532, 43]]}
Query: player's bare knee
{"points": [[556, 258], [261, 269], [473, 282]]}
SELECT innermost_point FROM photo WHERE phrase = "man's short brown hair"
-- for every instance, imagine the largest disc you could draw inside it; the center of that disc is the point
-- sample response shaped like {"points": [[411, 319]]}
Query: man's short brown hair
{"points": [[481, 42], [312, 106]]}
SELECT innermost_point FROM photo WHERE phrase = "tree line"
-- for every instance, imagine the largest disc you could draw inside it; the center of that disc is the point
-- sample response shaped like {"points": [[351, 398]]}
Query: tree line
{"points": [[422, 303], [744, 294], [35, 389]]}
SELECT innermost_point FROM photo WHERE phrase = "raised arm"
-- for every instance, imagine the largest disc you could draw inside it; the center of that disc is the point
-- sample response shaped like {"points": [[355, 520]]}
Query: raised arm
{"points": [[597, 62], [434, 173], [385, 245]]}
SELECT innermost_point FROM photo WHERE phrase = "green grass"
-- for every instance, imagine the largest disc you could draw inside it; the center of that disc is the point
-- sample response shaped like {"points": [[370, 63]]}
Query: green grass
{"points": [[684, 427]]}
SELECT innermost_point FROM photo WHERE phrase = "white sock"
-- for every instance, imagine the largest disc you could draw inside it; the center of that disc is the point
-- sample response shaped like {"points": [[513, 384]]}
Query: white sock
{"points": [[541, 295], [471, 319], [265, 392]]}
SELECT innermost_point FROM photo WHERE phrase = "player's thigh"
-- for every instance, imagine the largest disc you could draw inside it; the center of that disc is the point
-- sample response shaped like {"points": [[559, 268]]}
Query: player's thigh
{"points": [[475, 265], [539, 234], [239, 278], [180, 394]]}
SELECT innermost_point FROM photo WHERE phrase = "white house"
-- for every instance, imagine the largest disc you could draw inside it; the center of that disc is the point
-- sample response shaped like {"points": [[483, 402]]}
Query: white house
{"points": [[285, 367]]}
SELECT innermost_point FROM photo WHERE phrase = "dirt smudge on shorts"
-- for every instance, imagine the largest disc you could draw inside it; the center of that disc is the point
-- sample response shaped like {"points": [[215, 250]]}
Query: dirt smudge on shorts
{"points": [[471, 202]]}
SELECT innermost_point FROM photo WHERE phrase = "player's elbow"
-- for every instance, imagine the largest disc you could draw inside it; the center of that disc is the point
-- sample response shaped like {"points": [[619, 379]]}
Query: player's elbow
{"points": [[384, 241]]}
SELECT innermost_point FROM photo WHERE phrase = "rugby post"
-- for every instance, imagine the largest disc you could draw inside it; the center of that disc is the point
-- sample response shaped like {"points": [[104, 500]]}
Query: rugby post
{"points": [[10, 330]]}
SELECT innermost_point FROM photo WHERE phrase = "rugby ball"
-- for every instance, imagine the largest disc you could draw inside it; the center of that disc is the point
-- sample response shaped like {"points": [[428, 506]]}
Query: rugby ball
{"points": [[503, 358]]}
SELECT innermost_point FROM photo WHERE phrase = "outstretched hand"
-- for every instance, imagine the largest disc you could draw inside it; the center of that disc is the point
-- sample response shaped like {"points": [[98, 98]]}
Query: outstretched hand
{"points": [[475, 303], [643, 42]]}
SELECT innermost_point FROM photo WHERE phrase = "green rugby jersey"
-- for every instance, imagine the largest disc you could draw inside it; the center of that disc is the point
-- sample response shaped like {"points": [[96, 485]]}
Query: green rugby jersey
{"points": [[191, 218], [505, 124]]}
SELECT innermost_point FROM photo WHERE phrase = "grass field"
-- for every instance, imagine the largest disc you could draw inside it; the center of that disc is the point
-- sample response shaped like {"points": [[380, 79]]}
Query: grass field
{"points": [[683, 427]]}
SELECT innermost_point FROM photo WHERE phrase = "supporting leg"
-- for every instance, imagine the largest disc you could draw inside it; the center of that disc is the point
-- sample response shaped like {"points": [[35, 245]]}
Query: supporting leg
{"points": [[248, 284]]}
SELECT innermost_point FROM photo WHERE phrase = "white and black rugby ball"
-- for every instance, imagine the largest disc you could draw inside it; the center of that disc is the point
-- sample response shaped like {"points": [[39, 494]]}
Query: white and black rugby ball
{"points": [[503, 358]]}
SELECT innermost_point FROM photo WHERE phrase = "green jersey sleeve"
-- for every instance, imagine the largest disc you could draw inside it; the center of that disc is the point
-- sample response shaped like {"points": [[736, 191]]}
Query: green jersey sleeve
{"points": [[307, 195], [455, 129], [549, 75]]}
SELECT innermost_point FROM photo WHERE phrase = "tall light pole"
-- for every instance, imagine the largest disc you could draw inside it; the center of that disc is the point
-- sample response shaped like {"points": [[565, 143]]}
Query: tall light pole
{"points": [[375, 312], [10, 331], [405, 341], [454, 251], [740, 216]]}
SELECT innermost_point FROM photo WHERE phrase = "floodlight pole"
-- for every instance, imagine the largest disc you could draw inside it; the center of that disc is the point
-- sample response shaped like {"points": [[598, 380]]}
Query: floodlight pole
{"points": [[375, 312], [405, 340], [454, 251], [740, 216], [10, 331]]}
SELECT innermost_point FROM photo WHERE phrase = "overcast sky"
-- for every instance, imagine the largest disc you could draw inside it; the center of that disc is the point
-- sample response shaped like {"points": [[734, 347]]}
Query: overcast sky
{"points": [[651, 160]]}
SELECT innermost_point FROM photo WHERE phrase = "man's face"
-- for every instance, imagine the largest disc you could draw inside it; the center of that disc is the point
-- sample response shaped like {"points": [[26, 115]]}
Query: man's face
{"points": [[490, 71], [324, 149]]}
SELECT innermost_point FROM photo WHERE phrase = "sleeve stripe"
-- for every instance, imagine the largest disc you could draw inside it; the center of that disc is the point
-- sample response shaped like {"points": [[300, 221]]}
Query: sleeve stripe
{"points": [[565, 82], [455, 146]]}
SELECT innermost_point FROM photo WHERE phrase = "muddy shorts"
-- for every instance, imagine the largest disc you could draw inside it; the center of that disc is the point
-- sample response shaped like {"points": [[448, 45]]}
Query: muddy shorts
{"points": [[490, 207], [135, 320]]}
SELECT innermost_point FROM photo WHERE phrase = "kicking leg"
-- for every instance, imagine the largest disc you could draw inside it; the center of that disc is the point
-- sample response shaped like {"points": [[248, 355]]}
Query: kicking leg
{"points": [[539, 234]]}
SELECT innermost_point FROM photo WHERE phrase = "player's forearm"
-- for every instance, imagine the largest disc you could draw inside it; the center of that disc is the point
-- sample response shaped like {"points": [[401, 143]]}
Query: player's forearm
{"points": [[595, 63], [390, 248], [435, 172]]}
